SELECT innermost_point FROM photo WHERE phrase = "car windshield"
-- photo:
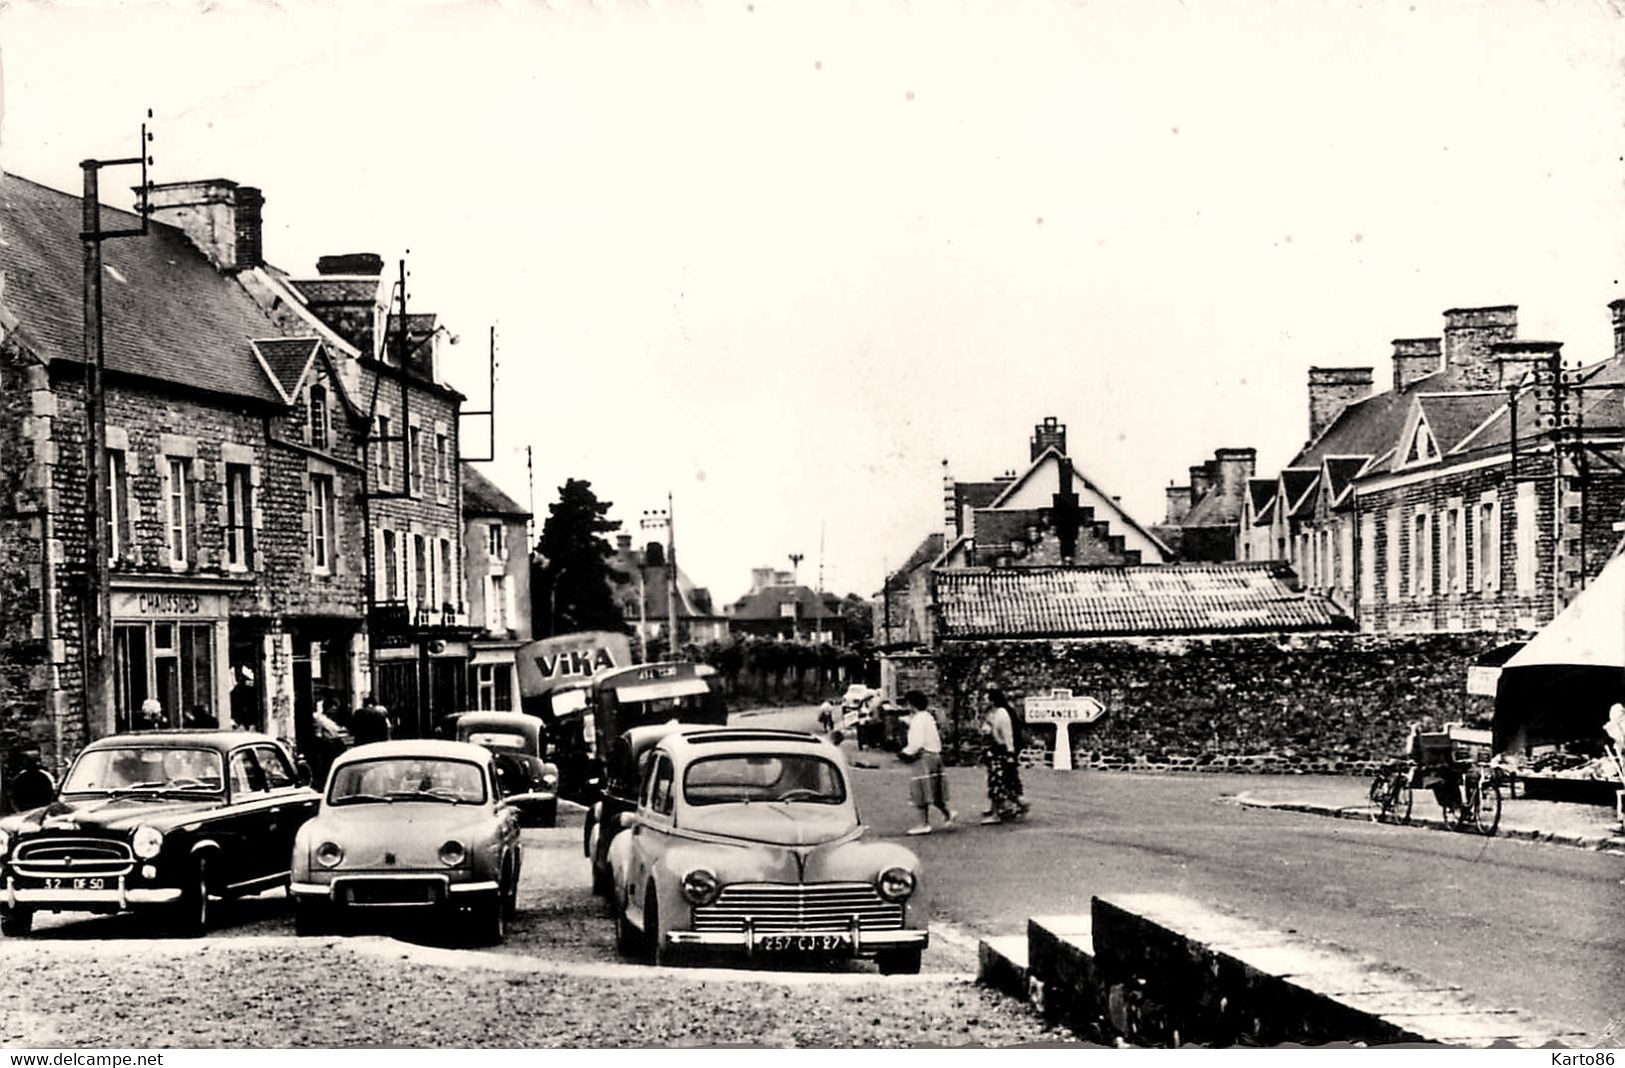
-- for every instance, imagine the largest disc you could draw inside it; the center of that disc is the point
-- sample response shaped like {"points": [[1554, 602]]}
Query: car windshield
{"points": [[145, 769], [763, 777], [407, 779]]}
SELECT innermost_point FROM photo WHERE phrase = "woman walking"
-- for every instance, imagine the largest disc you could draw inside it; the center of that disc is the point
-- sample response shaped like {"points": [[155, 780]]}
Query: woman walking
{"points": [[1004, 793]]}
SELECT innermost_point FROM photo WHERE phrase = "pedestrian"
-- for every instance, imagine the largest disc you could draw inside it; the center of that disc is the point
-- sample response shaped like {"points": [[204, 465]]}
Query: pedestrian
{"points": [[370, 722], [928, 788], [1004, 793]]}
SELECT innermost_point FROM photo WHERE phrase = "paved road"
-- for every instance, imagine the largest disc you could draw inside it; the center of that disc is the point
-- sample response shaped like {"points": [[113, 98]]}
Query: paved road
{"points": [[1518, 924]]}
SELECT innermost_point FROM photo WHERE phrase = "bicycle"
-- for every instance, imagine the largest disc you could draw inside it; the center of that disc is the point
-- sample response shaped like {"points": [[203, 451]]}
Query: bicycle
{"points": [[1469, 797], [1390, 794]]}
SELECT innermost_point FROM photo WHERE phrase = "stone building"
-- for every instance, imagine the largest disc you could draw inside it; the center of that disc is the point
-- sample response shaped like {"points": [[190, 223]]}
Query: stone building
{"points": [[233, 540], [496, 548], [1478, 493]]}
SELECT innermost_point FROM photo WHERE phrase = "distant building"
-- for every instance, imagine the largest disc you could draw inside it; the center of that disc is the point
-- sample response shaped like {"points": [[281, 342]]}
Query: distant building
{"points": [[497, 562]]}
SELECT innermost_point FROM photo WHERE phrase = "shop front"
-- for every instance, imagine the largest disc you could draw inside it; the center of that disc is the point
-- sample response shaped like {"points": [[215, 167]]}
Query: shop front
{"points": [[171, 656]]}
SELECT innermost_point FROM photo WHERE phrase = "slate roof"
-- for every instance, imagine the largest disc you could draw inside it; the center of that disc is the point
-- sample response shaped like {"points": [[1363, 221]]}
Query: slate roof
{"points": [[1262, 493], [287, 359], [169, 315], [481, 497], [1340, 471], [1157, 599], [928, 550]]}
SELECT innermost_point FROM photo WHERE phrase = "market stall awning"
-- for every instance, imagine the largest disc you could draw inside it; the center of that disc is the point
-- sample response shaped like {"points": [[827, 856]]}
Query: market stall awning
{"points": [[1559, 686]]}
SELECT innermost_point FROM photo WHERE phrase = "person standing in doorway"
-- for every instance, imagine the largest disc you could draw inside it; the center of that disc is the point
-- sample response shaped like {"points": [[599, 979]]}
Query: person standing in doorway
{"points": [[1004, 793], [928, 788]]}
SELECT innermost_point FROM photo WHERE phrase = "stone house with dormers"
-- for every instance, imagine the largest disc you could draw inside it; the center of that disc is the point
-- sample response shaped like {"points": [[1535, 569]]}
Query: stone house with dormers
{"points": [[1478, 493], [235, 544]]}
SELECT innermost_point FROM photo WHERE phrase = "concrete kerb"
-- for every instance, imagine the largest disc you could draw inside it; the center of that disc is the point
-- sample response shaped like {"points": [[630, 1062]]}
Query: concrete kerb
{"points": [[1592, 843], [1155, 969]]}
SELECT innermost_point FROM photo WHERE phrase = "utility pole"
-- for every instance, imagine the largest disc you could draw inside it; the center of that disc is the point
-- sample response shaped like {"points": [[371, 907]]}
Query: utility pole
{"points": [[96, 597]]}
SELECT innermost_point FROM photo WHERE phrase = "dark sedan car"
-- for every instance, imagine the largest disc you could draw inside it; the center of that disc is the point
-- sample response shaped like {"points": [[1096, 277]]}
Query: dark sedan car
{"points": [[157, 819]]}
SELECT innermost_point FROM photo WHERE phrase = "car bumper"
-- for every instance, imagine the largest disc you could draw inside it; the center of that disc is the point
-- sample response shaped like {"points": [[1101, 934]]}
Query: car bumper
{"points": [[342, 890], [116, 898], [853, 943]]}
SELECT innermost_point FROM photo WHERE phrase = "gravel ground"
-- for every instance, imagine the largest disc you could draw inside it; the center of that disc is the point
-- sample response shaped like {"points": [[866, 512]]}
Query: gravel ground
{"points": [[556, 982]]}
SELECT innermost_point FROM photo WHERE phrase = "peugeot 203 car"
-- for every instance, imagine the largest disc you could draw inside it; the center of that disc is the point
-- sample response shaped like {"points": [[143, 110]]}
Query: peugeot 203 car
{"points": [[519, 744], [411, 826], [750, 841], [157, 819]]}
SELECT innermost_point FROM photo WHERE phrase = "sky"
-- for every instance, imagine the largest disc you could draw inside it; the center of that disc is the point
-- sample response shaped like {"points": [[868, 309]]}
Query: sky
{"points": [[782, 260]]}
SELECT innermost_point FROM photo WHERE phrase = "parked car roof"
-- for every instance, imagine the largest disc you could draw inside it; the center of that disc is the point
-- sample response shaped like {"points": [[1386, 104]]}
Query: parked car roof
{"points": [[416, 747], [223, 740]]}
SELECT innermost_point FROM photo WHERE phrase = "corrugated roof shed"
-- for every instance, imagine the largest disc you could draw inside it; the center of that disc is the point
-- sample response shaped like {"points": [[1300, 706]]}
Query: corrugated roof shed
{"points": [[1126, 601]]}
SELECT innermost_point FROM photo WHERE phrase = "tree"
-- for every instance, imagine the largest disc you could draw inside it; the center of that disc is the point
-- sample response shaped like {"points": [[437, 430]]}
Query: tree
{"points": [[570, 576]]}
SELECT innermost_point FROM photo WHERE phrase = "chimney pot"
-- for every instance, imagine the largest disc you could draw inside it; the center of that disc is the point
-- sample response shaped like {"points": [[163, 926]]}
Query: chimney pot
{"points": [[1414, 359], [1331, 389], [369, 264]]}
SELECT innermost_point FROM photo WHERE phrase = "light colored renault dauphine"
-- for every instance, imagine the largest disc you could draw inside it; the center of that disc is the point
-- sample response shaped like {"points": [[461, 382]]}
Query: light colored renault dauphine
{"points": [[411, 826], [750, 841]]}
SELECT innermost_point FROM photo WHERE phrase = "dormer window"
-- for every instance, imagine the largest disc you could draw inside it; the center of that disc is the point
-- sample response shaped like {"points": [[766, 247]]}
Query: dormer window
{"points": [[318, 417], [1422, 447]]}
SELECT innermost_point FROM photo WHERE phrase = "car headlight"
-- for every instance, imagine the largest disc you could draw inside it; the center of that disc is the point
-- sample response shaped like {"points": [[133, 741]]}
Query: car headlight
{"points": [[453, 853], [701, 887], [147, 842], [328, 854], [895, 884]]}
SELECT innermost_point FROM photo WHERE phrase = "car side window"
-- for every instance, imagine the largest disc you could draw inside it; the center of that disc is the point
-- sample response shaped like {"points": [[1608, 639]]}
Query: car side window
{"points": [[660, 788], [278, 775], [247, 777]]}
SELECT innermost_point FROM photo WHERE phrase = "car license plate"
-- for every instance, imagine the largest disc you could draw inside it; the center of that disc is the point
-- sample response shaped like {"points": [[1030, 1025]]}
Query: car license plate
{"points": [[802, 943], [87, 883]]}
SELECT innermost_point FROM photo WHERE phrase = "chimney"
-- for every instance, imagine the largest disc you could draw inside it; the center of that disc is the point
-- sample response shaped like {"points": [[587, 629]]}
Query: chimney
{"points": [[1201, 481], [1047, 434], [365, 264], [1468, 335], [1179, 503], [1517, 358], [1331, 389], [1618, 308], [220, 217], [1236, 466], [1415, 358]]}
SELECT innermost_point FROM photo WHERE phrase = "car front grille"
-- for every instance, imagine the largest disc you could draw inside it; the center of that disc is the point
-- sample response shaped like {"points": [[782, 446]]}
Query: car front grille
{"points": [[46, 857], [799, 907]]}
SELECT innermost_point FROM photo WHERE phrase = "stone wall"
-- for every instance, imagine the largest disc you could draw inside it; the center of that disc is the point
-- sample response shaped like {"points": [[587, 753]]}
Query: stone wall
{"points": [[1324, 703]]}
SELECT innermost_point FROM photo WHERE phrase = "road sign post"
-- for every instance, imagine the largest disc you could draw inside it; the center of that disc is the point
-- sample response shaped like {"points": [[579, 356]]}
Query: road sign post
{"points": [[1063, 709]]}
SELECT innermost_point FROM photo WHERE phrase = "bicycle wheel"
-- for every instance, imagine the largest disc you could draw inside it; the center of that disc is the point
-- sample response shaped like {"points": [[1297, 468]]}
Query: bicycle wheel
{"points": [[1487, 807]]}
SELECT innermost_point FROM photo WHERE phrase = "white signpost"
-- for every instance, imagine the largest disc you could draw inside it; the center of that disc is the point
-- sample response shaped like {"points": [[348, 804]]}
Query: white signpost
{"points": [[1061, 708]]}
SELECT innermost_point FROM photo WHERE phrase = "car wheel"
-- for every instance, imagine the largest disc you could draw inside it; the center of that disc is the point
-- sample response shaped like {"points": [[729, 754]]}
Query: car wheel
{"points": [[899, 962], [16, 922], [657, 950], [628, 942], [488, 922], [312, 918], [192, 912]]}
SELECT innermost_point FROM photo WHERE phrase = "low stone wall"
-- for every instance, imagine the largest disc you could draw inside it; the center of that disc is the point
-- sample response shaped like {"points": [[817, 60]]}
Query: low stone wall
{"points": [[1337, 703]]}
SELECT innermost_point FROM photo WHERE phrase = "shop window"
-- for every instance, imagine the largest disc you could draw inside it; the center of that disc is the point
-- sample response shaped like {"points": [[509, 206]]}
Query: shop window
{"points": [[239, 513]]}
